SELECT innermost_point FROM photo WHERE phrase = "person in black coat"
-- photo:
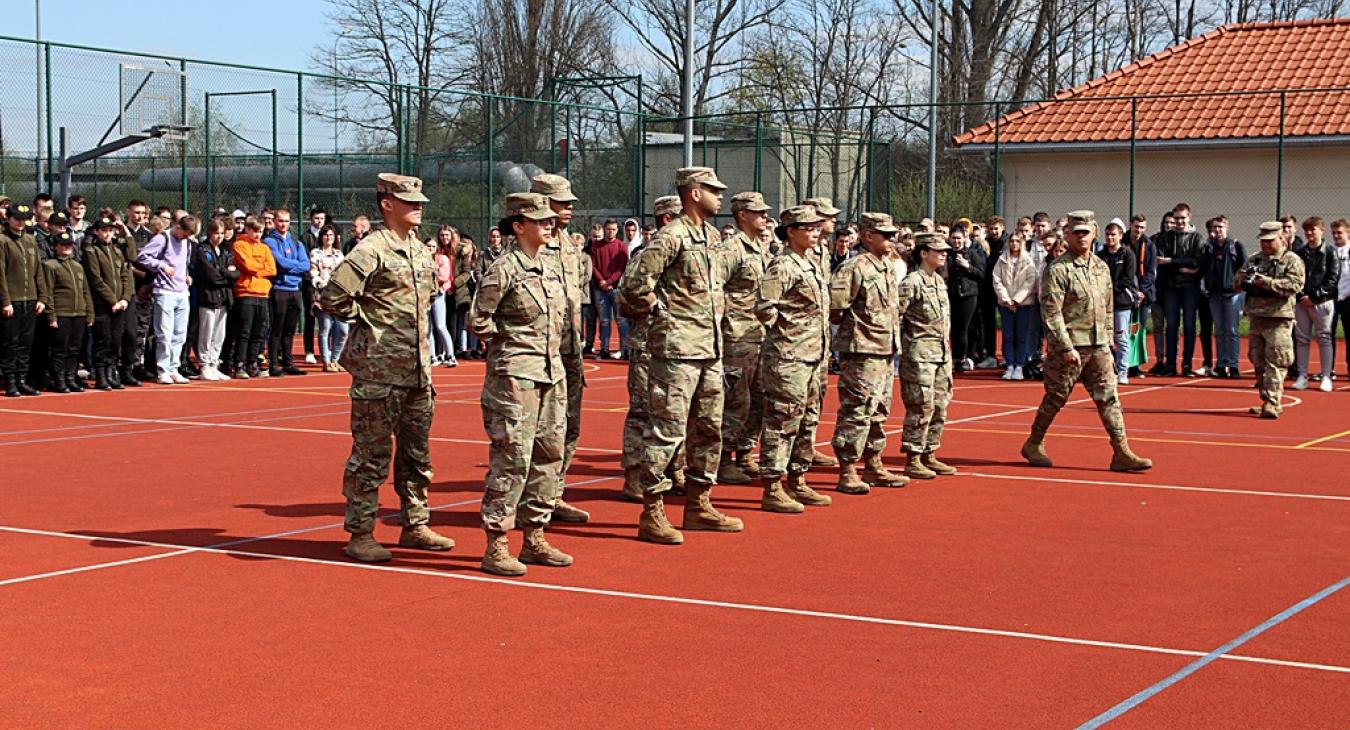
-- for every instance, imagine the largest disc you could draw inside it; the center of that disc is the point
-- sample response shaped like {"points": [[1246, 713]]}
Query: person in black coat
{"points": [[965, 271], [1219, 265], [215, 274], [1124, 292], [1179, 252]]}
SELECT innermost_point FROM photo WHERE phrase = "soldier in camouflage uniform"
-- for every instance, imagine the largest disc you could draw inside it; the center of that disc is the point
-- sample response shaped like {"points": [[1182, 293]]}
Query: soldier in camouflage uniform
{"points": [[1076, 308], [1272, 279], [563, 252], [678, 284], [743, 337], [384, 289], [520, 311], [925, 356], [793, 305], [825, 208], [863, 297], [665, 209]]}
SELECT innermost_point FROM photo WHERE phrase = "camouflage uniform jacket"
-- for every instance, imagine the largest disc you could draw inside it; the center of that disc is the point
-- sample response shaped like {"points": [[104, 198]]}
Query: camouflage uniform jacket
{"points": [[792, 304], [563, 254], [678, 283], [637, 323], [108, 274], [1284, 274], [925, 318], [751, 261], [864, 291], [520, 310], [1077, 302], [384, 287], [19, 267]]}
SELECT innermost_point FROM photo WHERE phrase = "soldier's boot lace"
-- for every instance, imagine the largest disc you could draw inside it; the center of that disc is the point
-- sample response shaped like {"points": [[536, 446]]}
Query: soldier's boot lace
{"points": [[747, 464], [849, 482], [1126, 460], [653, 525], [564, 512], [931, 461], [421, 537], [497, 559], [777, 500], [538, 551], [802, 492], [362, 547], [1034, 451], [915, 468], [677, 482], [819, 458], [876, 473], [700, 514], [730, 472], [632, 484]]}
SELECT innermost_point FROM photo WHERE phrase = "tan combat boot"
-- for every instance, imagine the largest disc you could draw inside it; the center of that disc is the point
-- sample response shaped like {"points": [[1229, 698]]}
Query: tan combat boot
{"points": [[747, 464], [362, 547], [1269, 411], [564, 512], [700, 514], [876, 473], [537, 551], [1256, 410], [819, 458], [802, 492], [497, 558], [777, 500], [1034, 451], [730, 472], [632, 485], [931, 461], [653, 525], [677, 485], [849, 483], [1124, 459], [915, 469], [421, 537]]}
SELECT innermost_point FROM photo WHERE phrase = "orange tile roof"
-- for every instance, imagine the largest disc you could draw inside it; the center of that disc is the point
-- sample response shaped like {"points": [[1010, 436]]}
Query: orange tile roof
{"points": [[1240, 57]]}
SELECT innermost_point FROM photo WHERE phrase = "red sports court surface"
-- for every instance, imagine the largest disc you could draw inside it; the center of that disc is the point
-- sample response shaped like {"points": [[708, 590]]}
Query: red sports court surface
{"points": [[173, 557]]}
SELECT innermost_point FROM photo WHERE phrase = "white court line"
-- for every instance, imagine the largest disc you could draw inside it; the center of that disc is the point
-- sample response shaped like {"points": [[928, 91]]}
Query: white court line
{"points": [[87, 568], [1168, 487], [681, 600]]}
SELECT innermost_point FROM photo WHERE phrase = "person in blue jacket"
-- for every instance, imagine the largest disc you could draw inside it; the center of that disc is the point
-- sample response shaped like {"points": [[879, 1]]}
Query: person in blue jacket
{"points": [[286, 299]]}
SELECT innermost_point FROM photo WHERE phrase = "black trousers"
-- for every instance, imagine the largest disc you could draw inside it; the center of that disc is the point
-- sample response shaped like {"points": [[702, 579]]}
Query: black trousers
{"points": [[988, 323], [67, 337], [963, 311], [307, 298], [286, 313], [1206, 317], [39, 359], [135, 330], [252, 314], [109, 327], [16, 340]]}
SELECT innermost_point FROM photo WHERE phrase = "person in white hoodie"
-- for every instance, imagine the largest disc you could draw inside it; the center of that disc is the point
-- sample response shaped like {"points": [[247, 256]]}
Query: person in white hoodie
{"points": [[1016, 275]]}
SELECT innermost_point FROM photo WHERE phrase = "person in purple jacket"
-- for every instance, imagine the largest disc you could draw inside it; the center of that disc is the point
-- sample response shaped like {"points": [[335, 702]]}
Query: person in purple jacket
{"points": [[287, 304], [165, 257]]}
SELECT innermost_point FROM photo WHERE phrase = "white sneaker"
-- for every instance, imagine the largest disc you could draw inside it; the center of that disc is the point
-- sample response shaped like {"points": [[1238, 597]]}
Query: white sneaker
{"points": [[968, 364], [1301, 383], [178, 379], [1007, 373], [309, 358], [164, 380], [1325, 386], [1017, 373], [1203, 371], [1122, 380]]}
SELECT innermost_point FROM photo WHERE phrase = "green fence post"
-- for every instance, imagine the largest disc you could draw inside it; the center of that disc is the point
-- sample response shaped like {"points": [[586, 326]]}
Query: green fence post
{"points": [[641, 151], [552, 125], [154, 174], [276, 180], [998, 161], [183, 145], [300, 145], [567, 135], [206, 157], [341, 196], [1134, 138], [1279, 164], [47, 69], [759, 151], [491, 142]]}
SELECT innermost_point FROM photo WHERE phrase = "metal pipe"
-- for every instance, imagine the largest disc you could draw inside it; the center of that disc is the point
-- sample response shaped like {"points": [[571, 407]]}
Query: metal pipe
{"points": [[300, 144], [933, 110], [37, 82], [688, 106]]}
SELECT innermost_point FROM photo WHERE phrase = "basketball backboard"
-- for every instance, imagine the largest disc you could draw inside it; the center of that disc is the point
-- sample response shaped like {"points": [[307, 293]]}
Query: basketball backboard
{"points": [[150, 99]]}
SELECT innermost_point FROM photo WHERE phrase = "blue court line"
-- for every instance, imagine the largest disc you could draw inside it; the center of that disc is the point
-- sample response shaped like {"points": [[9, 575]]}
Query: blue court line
{"points": [[1200, 663]]}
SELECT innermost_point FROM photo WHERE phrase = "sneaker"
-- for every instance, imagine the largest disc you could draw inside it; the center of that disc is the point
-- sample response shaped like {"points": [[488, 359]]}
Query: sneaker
{"points": [[1122, 379], [988, 363], [451, 363], [168, 380], [178, 379], [967, 364], [1017, 373], [1301, 383], [309, 358], [1203, 371], [1325, 385], [1008, 372]]}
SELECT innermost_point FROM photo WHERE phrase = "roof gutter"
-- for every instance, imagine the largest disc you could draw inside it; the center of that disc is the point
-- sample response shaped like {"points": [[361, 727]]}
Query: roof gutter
{"points": [[1153, 144]]}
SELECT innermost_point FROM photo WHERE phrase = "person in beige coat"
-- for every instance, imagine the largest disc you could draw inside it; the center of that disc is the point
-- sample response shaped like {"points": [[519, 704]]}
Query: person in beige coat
{"points": [[1015, 280]]}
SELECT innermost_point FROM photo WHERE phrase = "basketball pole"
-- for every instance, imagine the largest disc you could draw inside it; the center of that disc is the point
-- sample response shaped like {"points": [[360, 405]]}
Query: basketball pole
{"points": [[37, 80]]}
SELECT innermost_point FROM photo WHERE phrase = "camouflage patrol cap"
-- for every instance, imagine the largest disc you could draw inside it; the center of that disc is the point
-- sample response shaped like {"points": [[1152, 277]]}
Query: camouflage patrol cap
{"points": [[1082, 220], [879, 222], [667, 205], [63, 239], [824, 205], [690, 176], [531, 206], [404, 187], [103, 222], [797, 215], [1271, 230], [931, 241], [553, 187], [19, 212], [753, 202]]}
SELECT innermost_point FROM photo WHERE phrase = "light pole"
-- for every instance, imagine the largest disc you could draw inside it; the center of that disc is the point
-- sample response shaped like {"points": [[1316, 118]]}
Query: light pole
{"points": [[689, 83], [37, 79], [933, 110]]}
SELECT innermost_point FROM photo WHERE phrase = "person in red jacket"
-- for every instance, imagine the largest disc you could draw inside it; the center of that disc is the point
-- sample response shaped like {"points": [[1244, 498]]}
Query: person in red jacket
{"points": [[609, 258]]}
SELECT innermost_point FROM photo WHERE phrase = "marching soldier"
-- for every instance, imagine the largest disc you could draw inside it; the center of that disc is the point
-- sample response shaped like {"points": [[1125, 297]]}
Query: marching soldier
{"points": [[1076, 303], [521, 310], [825, 208], [792, 304], [664, 210], [1272, 279], [925, 356], [863, 297], [678, 284], [568, 256], [384, 289], [743, 336]]}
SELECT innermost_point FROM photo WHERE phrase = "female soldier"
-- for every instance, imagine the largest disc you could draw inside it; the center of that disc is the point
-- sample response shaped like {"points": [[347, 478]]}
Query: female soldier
{"points": [[925, 357], [518, 311]]}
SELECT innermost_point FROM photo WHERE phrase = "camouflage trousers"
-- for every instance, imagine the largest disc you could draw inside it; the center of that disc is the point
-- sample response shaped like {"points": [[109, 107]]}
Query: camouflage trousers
{"points": [[1097, 370], [526, 422], [743, 413], [865, 392], [576, 382], [380, 414], [791, 415], [925, 389], [1271, 349], [639, 411], [685, 401]]}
